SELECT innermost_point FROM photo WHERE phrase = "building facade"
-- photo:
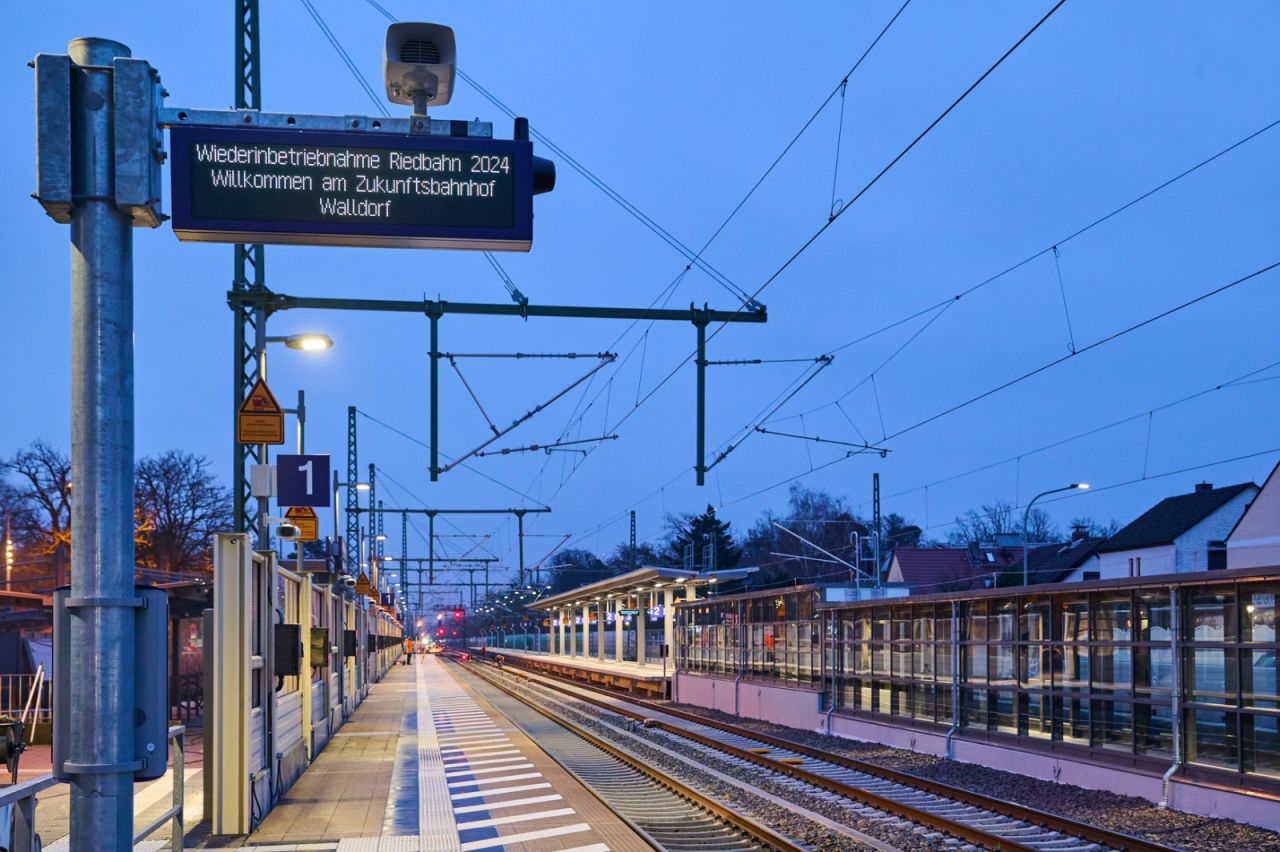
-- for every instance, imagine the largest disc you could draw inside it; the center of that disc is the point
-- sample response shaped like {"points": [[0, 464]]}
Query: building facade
{"points": [[1255, 540], [1181, 534]]}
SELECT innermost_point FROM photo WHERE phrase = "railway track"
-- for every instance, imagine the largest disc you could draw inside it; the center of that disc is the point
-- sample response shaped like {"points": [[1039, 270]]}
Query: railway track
{"points": [[669, 814], [968, 816]]}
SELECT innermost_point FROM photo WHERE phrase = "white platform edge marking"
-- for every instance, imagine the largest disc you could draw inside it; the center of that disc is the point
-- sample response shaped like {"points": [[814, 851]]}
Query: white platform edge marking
{"points": [[436, 825], [499, 842]]}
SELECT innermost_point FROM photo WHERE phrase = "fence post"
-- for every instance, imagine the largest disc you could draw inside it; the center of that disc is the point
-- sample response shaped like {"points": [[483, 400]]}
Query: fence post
{"points": [[178, 832], [24, 825]]}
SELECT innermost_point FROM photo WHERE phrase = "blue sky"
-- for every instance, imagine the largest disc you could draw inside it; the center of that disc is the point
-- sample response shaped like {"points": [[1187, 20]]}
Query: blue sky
{"points": [[680, 107]]}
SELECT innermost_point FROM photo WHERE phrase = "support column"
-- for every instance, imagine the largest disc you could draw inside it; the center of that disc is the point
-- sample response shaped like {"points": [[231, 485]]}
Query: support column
{"points": [[586, 630], [669, 625], [560, 648], [304, 679], [551, 632], [618, 604], [573, 634], [102, 551], [642, 616], [600, 620]]}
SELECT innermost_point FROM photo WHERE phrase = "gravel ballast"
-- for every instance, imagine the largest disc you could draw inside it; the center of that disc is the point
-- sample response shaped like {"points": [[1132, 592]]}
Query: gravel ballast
{"points": [[1128, 814]]}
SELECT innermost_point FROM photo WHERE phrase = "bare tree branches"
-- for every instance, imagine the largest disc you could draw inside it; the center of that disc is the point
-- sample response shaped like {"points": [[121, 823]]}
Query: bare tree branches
{"points": [[180, 506], [40, 491]]}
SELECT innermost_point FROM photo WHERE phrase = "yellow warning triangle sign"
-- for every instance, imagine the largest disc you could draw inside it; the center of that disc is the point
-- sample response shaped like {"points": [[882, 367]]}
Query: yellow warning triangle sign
{"points": [[363, 586], [260, 400], [260, 419]]}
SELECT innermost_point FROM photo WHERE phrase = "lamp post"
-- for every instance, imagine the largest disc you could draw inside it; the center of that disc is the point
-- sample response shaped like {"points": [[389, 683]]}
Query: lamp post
{"points": [[1026, 519], [337, 504], [309, 342]]}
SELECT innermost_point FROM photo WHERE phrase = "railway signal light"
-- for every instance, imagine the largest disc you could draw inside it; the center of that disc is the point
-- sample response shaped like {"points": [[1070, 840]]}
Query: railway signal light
{"points": [[458, 614]]}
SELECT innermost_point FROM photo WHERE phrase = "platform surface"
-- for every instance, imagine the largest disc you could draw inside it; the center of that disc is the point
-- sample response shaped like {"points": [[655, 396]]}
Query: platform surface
{"points": [[651, 671], [426, 763]]}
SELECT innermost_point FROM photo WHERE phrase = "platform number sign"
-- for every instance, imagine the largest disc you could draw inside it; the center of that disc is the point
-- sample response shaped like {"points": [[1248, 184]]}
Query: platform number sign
{"points": [[303, 480]]}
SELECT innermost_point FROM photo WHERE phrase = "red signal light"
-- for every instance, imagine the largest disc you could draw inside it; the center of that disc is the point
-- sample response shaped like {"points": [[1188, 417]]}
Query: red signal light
{"points": [[457, 614]]}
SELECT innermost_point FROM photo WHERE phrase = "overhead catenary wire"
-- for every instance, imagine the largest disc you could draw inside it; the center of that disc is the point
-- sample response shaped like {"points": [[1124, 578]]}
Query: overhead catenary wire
{"points": [[1127, 483], [1090, 347], [608, 190], [813, 372], [528, 415], [883, 451], [804, 246], [447, 457], [1239, 381], [1027, 375], [1078, 232], [546, 447], [824, 227]]}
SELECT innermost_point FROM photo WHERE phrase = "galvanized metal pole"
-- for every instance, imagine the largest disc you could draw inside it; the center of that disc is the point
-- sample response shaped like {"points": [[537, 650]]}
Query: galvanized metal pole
{"points": [[435, 395], [701, 466], [520, 533], [102, 552], [372, 556], [353, 496], [409, 610], [260, 356], [301, 415]]}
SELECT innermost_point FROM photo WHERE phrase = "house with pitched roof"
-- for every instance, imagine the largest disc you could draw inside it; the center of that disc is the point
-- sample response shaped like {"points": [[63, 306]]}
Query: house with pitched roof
{"points": [[1179, 534], [925, 570], [1069, 562], [1255, 540]]}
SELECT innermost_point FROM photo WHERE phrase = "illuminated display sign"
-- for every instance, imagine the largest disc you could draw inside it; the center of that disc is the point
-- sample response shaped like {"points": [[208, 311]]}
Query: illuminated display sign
{"points": [[306, 187]]}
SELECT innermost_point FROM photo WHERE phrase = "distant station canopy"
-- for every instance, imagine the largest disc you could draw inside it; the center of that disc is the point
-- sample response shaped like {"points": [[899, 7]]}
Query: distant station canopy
{"points": [[641, 580]]}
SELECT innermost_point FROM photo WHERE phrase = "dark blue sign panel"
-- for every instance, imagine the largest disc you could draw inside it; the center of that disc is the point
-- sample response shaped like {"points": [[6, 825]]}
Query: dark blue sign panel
{"points": [[310, 187], [303, 480]]}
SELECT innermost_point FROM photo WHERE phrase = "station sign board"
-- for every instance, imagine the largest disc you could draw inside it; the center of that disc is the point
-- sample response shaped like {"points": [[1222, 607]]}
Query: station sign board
{"points": [[303, 480], [312, 187]]}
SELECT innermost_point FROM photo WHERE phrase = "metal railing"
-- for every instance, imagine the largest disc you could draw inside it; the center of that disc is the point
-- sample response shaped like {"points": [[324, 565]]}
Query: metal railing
{"points": [[18, 811], [177, 735], [15, 695], [18, 805]]}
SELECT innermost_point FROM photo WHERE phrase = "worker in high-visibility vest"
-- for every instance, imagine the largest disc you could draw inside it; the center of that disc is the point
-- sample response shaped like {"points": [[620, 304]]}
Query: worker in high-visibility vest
{"points": [[408, 650]]}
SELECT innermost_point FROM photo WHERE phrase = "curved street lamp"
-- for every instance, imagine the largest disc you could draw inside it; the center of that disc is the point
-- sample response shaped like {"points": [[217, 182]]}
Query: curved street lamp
{"points": [[1026, 518]]}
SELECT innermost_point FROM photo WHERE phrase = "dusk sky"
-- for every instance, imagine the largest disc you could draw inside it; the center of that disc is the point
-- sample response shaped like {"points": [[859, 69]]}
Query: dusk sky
{"points": [[680, 107]]}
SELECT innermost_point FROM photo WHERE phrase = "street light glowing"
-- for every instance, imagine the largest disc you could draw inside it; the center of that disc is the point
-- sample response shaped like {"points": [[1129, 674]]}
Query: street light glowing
{"points": [[309, 342], [1083, 486], [363, 486]]}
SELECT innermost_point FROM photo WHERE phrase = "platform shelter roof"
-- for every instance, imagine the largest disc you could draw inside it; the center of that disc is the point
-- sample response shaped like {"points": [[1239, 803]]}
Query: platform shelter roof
{"points": [[642, 579]]}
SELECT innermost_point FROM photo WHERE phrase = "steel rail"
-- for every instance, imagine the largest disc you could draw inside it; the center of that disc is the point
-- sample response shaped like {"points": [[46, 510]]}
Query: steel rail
{"points": [[1013, 810], [753, 829], [983, 839]]}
